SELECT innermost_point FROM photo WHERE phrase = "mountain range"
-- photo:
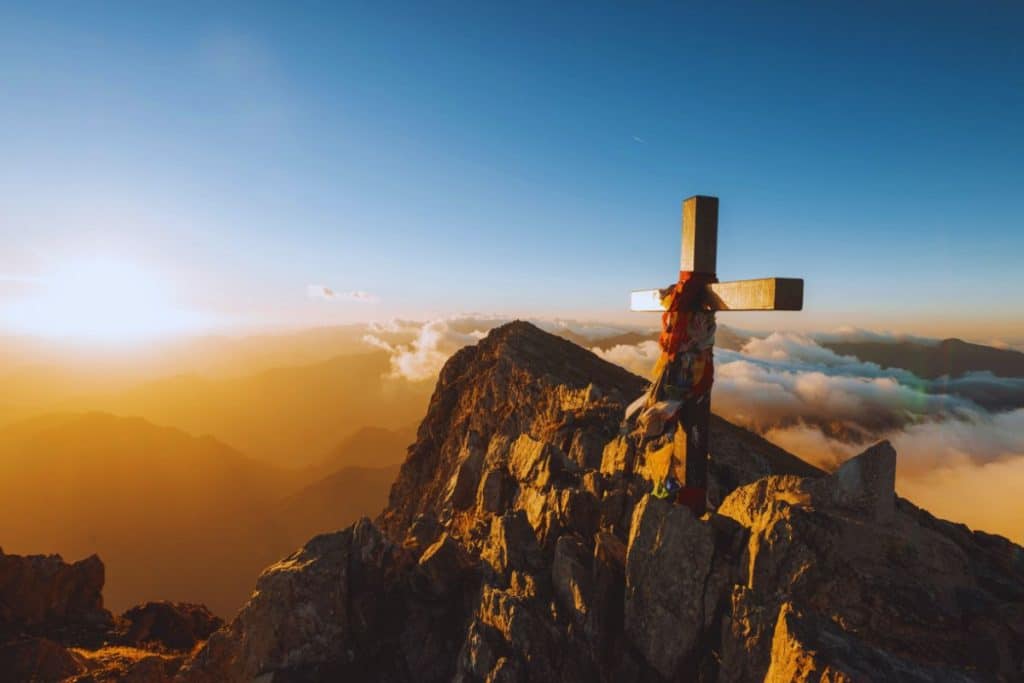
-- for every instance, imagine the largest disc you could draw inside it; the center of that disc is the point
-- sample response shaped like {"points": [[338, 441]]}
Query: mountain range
{"points": [[520, 541], [947, 358], [176, 516]]}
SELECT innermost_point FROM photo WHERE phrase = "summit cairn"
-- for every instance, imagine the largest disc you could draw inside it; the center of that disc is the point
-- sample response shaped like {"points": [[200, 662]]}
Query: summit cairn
{"points": [[677, 406]]}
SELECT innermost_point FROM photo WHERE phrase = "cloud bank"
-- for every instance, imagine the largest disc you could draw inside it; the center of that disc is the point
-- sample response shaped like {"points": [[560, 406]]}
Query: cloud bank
{"points": [[951, 434]]}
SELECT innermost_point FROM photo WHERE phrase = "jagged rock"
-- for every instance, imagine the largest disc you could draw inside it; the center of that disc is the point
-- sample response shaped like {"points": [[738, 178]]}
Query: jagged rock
{"points": [[748, 624], [525, 563], [423, 531], [493, 493], [587, 449], [175, 626], [123, 664], [667, 564], [536, 463], [38, 659], [571, 577], [297, 617], [517, 380], [868, 482], [461, 490], [617, 455], [442, 567], [511, 545], [807, 648], [44, 596], [898, 585], [506, 671]]}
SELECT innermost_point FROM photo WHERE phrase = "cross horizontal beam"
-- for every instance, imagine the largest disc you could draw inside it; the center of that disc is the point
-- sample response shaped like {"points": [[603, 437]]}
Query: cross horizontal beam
{"points": [[764, 294]]}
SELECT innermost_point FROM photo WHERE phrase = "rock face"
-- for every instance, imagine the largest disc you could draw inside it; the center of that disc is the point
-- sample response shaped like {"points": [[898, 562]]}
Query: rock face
{"points": [[521, 544], [171, 626], [41, 595], [53, 627]]}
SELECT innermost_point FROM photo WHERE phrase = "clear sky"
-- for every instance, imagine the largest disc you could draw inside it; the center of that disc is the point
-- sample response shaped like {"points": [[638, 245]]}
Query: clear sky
{"points": [[509, 158]]}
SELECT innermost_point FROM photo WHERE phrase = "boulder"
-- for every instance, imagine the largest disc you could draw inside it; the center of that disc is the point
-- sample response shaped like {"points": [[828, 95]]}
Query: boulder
{"points": [[537, 463], [44, 596], [171, 625], [462, 486], [298, 616], [571, 578], [617, 455], [536, 567], [511, 545], [493, 494], [867, 483], [38, 659], [668, 561], [809, 649], [587, 449], [442, 567]]}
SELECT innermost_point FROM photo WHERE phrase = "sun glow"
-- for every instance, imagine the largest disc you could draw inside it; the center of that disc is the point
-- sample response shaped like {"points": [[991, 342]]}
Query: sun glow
{"points": [[99, 301]]}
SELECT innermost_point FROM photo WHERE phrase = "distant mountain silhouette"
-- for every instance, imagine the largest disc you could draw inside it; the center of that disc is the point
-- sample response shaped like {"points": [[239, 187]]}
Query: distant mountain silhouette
{"points": [[287, 416], [369, 447], [173, 516], [950, 357], [725, 338], [335, 501]]}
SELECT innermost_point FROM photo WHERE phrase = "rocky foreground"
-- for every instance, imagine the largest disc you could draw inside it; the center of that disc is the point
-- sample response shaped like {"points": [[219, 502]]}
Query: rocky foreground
{"points": [[53, 626], [520, 544]]}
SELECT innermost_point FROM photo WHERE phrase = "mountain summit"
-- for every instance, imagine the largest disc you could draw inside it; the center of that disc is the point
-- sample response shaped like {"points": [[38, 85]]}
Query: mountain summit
{"points": [[521, 543]]}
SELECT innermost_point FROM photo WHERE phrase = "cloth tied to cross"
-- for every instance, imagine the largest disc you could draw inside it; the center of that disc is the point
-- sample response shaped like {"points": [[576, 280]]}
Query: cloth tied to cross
{"points": [[684, 371]]}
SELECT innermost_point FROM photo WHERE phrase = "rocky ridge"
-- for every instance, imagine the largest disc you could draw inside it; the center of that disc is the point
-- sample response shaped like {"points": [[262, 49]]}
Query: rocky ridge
{"points": [[521, 543], [53, 626]]}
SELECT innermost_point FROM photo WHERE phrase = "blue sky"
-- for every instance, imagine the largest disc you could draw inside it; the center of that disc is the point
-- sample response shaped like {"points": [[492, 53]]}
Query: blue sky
{"points": [[521, 160]]}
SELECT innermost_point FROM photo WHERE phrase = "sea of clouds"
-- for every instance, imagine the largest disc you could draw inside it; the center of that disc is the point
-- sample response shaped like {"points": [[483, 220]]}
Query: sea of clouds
{"points": [[955, 436]]}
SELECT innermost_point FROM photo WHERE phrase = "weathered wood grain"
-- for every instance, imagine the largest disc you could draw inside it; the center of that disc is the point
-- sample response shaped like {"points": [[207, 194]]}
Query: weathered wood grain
{"points": [[764, 294]]}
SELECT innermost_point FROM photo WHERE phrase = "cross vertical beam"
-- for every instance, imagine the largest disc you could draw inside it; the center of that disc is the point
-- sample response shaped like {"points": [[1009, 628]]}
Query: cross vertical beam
{"points": [[699, 254], [700, 234], [689, 461]]}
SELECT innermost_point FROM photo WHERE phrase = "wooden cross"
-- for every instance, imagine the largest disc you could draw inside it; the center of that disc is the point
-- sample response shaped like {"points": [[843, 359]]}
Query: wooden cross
{"points": [[700, 247]]}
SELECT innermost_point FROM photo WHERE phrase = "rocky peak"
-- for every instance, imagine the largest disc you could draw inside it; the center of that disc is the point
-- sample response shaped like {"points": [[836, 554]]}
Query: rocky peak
{"points": [[517, 380], [522, 395], [521, 543]]}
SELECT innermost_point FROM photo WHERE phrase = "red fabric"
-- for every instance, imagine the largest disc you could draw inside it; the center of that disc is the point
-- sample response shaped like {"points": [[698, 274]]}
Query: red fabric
{"points": [[693, 498], [684, 298]]}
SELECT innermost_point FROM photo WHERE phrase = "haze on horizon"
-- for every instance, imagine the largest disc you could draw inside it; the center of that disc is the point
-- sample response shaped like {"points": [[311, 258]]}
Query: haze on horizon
{"points": [[240, 241], [206, 169]]}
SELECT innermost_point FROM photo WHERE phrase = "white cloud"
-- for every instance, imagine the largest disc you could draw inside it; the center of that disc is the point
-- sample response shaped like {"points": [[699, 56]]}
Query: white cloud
{"points": [[637, 358], [419, 349], [952, 436], [323, 292], [826, 407], [429, 345]]}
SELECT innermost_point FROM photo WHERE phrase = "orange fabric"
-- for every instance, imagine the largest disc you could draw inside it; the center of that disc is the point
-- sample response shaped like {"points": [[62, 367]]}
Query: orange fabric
{"points": [[682, 297], [681, 301]]}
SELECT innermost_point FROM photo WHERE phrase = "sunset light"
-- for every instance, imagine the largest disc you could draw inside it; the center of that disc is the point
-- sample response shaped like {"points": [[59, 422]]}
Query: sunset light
{"points": [[99, 300], [579, 342]]}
